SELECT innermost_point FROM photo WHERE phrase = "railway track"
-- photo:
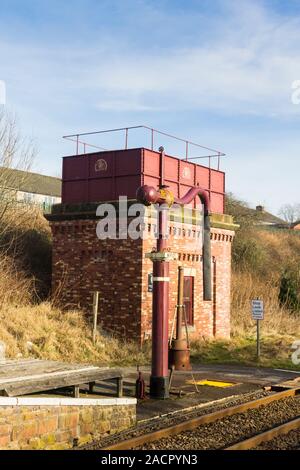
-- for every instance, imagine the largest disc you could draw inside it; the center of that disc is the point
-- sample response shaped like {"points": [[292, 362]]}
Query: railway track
{"points": [[240, 427], [268, 436]]}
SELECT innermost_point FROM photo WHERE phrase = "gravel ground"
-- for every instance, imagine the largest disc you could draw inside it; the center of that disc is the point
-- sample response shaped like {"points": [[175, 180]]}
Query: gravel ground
{"points": [[290, 441], [178, 417], [231, 429]]}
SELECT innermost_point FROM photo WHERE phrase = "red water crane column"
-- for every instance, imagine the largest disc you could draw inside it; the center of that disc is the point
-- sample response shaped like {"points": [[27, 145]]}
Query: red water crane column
{"points": [[159, 380]]}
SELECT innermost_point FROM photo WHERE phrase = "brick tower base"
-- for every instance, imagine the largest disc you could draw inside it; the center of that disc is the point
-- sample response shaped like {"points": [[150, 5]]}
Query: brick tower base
{"points": [[120, 271]]}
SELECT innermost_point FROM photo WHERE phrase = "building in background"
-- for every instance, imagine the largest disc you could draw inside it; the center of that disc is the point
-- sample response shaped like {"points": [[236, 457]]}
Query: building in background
{"points": [[296, 225], [268, 220], [30, 188], [258, 217]]}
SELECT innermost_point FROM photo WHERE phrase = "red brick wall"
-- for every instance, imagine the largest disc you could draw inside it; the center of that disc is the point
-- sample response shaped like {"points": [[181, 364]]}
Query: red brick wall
{"points": [[119, 270], [210, 318], [81, 264]]}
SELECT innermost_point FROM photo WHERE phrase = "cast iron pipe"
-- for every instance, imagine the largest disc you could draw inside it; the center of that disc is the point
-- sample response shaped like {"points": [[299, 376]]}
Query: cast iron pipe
{"points": [[149, 195], [204, 198]]}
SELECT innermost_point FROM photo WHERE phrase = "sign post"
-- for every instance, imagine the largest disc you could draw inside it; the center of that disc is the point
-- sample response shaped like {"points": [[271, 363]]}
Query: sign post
{"points": [[258, 315], [257, 340], [95, 314]]}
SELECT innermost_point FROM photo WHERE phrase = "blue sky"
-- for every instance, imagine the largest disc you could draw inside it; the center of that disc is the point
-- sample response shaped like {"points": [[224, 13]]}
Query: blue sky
{"points": [[219, 73]]}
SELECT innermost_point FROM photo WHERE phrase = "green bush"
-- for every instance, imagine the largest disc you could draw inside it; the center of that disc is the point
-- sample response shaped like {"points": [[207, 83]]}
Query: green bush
{"points": [[289, 293], [248, 254]]}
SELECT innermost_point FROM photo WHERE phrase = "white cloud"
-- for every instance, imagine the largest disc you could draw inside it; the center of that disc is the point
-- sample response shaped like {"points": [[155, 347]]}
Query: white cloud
{"points": [[229, 75], [248, 68], [130, 103]]}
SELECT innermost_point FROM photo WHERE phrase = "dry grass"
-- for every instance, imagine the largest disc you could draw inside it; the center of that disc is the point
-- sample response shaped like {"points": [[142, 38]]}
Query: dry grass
{"points": [[275, 351], [257, 272], [42, 331], [279, 329], [16, 288], [245, 287], [19, 218], [279, 250], [25, 254]]}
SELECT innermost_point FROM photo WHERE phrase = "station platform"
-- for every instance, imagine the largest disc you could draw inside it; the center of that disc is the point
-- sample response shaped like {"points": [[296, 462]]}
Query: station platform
{"points": [[214, 383], [207, 384], [32, 376]]}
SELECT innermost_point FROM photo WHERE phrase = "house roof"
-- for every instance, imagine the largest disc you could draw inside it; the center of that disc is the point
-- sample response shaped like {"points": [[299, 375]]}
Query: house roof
{"points": [[266, 218], [257, 216], [295, 224], [30, 182]]}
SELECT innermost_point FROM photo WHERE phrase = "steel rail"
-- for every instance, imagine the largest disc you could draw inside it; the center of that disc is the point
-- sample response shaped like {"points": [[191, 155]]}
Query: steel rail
{"points": [[266, 436], [196, 422]]}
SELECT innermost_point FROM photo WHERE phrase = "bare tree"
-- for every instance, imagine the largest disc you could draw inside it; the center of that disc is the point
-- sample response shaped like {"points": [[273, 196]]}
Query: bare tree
{"points": [[290, 213], [16, 153], [243, 215]]}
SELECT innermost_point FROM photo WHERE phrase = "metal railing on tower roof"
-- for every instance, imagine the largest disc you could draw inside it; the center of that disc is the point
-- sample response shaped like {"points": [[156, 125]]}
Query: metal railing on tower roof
{"points": [[77, 138]]}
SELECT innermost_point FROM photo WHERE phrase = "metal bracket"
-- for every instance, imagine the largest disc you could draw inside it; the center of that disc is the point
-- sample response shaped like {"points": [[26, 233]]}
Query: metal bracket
{"points": [[162, 256]]}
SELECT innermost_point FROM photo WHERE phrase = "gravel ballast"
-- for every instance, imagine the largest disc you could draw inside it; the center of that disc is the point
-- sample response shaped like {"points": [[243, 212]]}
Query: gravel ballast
{"points": [[290, 441], [231, 429], [174, 418]]}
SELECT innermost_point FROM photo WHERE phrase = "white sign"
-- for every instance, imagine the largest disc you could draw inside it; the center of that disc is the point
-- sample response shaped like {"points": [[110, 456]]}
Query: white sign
{"points": [[257, 309]]}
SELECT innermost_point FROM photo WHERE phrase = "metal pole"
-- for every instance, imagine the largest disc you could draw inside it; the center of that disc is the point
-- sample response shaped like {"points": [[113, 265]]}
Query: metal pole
{"points": [[77, 145], [126, 139], [257, 340], [162, 167], [159, 380], [95, 314], [152, 139], [180, 303]]}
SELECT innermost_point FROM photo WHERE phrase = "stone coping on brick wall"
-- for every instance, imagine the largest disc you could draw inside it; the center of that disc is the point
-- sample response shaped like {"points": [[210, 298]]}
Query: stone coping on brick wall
{"points": [[85, 211], [49, 401]]}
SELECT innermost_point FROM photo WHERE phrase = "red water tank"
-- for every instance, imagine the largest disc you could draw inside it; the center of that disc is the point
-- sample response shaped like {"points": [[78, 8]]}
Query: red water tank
{"points": [[104, 176]]}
